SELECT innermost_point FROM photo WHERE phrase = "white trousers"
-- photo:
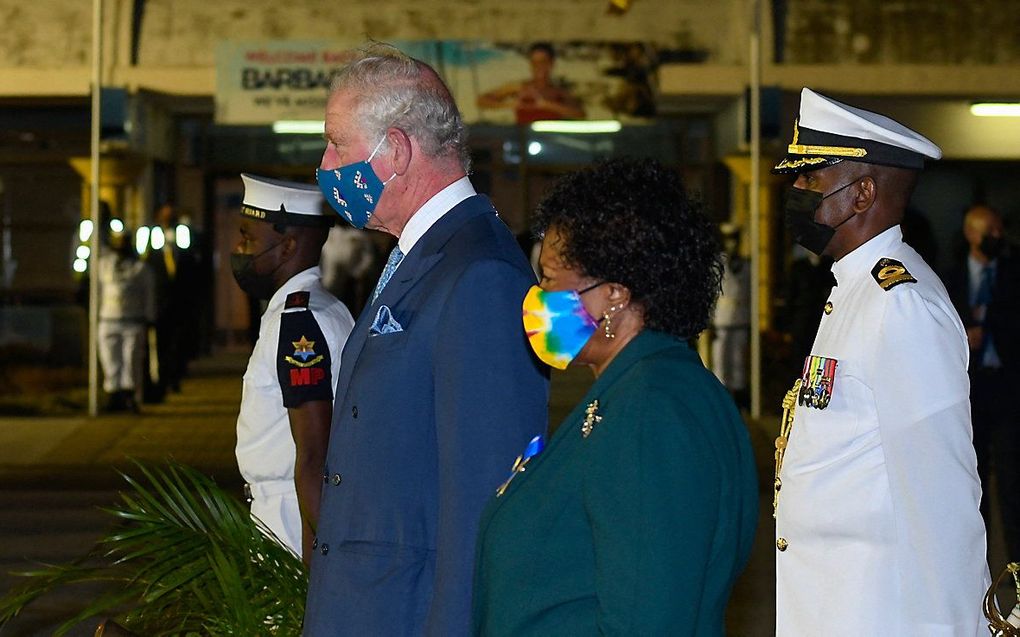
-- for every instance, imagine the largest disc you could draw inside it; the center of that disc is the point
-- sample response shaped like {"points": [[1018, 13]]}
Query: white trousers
{"points": [[121, 352]]}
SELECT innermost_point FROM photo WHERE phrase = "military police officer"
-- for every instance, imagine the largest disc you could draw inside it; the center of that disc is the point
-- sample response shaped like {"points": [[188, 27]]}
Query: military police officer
{"points": [[287, 398], [877, 523]]}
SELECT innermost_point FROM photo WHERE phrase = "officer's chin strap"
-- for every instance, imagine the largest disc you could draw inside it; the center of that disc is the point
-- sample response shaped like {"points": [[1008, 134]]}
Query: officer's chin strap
{"points": [[785, 425]]}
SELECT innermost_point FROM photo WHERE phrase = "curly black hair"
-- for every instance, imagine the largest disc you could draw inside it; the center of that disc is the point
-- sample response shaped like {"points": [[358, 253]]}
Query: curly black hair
{"points": [[630, 221]]}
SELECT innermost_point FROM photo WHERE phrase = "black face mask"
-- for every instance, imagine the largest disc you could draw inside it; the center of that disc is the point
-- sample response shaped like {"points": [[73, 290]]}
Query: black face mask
{"points": [[259, 286], [800, 210], [991, 247]]}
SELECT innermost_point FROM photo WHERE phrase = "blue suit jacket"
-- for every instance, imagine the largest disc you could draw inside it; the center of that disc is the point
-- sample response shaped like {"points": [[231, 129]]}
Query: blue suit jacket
{"points": [[426, 424]]}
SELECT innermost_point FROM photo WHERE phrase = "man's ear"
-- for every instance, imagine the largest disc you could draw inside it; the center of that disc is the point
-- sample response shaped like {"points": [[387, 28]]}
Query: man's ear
{"points": [[865, 194], [402, 149], [290, 247]]}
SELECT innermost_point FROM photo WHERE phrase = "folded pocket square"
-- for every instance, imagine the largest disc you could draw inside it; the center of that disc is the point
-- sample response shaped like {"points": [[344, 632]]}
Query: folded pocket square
{"points": [[384, 322]]}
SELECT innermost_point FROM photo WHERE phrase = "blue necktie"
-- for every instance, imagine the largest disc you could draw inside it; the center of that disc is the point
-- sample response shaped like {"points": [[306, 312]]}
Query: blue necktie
{"points": [[987, 355], [984, 291], [391, 266]]}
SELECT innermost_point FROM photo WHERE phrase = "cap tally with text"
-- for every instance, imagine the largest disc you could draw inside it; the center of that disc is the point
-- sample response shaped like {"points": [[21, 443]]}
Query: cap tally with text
{"points": [[828, 132], [284, 202]]}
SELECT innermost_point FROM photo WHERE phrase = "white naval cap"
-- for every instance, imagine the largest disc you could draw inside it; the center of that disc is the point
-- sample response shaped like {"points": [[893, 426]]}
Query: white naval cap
{"points": [[285, 202], [827, 132]]}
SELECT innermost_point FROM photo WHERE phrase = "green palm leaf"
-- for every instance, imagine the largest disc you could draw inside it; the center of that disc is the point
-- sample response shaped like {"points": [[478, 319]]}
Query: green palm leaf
{"points": [[185, 558]]}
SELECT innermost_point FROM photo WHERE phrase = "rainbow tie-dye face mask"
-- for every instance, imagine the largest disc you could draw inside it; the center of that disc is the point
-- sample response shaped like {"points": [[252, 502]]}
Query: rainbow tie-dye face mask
{"points": [[557, 324]]}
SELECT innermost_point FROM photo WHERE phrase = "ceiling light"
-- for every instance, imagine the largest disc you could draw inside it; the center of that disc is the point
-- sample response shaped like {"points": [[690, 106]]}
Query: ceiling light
{"points": [[299, 127], [996, 109], [577, 126]]}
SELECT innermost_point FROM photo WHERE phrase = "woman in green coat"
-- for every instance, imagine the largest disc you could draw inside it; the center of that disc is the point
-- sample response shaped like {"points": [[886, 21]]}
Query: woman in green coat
{"points": [[638, 515]]}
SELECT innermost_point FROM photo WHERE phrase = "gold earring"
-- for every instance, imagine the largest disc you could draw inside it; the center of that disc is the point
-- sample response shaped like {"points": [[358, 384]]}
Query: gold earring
{"points": [[607, 322]]}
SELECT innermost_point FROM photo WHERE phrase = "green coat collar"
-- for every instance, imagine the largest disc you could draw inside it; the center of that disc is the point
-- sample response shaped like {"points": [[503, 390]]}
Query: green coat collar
{"points": [[645, 344]]}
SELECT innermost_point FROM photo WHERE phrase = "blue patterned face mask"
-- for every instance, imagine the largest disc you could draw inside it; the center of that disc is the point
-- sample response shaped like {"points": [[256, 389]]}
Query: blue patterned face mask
{"points": [[353, 190]]}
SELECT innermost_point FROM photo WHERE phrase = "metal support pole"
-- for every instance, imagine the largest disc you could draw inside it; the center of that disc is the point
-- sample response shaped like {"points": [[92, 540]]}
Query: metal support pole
{"points": [[94, 242], [754, 201]]}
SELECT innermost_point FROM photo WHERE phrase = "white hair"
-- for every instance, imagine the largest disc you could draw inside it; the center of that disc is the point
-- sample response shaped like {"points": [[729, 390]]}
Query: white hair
{"points": [[396, 90]]}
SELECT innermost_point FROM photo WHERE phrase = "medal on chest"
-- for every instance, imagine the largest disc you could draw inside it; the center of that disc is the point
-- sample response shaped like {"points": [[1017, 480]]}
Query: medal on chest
{"points": [[816, 382]]}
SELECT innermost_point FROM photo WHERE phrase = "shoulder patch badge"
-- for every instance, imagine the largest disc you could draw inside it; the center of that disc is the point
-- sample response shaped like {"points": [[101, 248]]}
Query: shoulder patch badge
{"points": [[296, 300], [889, 273]]}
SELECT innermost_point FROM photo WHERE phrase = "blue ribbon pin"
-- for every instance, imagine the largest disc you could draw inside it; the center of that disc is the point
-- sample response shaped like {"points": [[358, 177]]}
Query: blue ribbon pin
{"points": [[534, 448]]}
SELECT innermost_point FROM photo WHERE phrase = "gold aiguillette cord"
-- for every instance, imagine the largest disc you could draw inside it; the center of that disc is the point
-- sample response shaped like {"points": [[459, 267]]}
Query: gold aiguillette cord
{"points": [[785, 425]]}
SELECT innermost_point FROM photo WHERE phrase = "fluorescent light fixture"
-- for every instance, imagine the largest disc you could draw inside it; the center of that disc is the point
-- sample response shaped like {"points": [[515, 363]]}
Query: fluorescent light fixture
{"points": [[80, 265], [141, 239], [183, 236], [82, 252], [580, 127], [534, 148], [996, 109], [116, 225], [299, 127]]}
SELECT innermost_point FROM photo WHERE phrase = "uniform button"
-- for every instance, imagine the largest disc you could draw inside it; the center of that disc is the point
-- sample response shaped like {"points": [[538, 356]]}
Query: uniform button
{"points": [[354, 411], [337, 479], [828, 307], [324, 549], [315, 544], [781, 544]]}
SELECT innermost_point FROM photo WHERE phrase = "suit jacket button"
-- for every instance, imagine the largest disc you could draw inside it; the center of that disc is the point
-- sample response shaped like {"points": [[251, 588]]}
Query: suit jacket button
{"points": [[354, 412], [781, 544], [324, 549], [337, 479]]}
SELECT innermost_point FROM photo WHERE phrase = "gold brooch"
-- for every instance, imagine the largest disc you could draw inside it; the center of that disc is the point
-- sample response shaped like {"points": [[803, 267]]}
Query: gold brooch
{"points": [[591, 418]]}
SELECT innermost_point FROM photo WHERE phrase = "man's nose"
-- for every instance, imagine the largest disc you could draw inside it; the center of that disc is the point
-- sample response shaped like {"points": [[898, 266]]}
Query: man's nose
{"points": [[799, 183], [330, 158]]}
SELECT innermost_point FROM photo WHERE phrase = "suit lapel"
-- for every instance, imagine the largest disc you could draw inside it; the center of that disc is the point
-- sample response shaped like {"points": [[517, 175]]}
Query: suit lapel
{"points": [[418, 262]]}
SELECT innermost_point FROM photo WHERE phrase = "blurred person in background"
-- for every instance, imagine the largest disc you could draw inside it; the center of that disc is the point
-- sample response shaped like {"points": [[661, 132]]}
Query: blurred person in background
{"points": [[127, 306], [179, 292], [348, 265], [985, 288], [732, 318]]}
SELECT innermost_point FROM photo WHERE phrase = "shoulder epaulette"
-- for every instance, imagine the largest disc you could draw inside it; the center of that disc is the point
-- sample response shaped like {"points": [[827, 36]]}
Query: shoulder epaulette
{"points": [[296, 300], [889, 273]]}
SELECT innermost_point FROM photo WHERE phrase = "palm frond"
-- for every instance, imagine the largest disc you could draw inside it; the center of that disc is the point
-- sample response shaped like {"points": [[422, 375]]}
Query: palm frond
{"points": [[185, 557]]}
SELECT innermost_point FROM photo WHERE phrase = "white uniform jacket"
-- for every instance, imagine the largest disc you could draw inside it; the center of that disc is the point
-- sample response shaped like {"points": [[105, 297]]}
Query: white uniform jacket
{"points": [[305, 358], [878, 532]]}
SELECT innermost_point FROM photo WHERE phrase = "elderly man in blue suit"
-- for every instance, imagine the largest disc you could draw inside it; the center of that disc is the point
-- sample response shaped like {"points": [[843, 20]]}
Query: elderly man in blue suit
{"points": [[438, 390]]}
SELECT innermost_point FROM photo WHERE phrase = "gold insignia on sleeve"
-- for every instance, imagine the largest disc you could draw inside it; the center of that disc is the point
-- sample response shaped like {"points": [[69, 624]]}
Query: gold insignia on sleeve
{"points": [[889, 273]]}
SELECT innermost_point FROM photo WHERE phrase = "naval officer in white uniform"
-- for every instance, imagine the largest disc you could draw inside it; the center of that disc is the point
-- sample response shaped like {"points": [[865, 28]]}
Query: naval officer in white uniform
{"points": [[878, 532], [288, 389]]}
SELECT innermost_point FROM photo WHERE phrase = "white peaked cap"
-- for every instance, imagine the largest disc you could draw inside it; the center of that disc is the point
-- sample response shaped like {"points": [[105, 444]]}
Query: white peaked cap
{"points": [[287, 202], [829, 131]]}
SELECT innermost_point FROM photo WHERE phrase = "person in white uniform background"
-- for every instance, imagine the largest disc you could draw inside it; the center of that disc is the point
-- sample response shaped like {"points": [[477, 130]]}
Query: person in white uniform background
{"points": [[287, 396], [878, 530], [127, 305], [732, 318]]}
